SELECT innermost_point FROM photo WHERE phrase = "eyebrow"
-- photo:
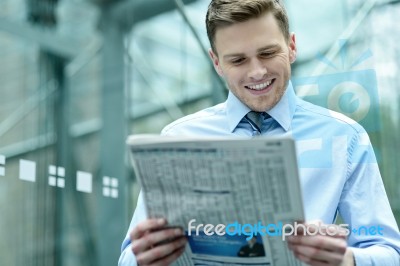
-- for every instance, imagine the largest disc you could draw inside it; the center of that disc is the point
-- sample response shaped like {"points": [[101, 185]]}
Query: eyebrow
{"points": [[268, 47]]}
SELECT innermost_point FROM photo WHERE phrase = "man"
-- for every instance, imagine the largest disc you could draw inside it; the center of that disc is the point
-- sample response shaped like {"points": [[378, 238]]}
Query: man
{"points": [[252, 49], [252, 249]]}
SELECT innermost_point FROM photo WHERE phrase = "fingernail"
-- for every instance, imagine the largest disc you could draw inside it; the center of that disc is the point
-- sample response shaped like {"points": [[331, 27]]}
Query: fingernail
{"points": [[161, 221], [178, 232]]}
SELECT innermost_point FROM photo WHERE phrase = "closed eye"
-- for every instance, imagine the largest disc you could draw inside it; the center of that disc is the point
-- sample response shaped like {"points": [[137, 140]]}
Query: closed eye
{"points": [[237, 61], [267, 54]]}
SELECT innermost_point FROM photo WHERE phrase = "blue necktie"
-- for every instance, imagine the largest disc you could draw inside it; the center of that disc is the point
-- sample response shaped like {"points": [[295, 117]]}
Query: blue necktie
{"points": [[256, 119]]}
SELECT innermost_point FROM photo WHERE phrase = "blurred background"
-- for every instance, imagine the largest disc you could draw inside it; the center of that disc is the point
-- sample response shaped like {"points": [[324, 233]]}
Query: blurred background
{"points": [[78, 76]]}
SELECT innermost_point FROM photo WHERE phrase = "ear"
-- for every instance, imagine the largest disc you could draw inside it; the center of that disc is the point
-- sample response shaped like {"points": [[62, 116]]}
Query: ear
{"points": [[292, 48], [215, 60]]}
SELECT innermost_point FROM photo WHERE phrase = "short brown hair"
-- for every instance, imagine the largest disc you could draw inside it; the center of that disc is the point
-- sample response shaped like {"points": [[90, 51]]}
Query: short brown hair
{"points": [[222, 13]]}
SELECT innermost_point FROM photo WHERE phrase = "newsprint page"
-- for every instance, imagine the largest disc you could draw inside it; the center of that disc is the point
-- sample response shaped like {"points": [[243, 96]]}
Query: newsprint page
{"points": [[235, 198]]}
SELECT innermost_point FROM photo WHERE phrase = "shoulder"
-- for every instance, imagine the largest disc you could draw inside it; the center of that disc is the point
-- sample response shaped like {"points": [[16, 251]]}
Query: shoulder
{"points": [[320, 116], [212, 118]]}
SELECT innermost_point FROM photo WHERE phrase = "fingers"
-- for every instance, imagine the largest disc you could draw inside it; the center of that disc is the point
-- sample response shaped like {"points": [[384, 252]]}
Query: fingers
{"points": [[321, 245], [145, 226], [163, 254], [311, 261], [318, 248], [173, 257], [319, 241], [155, 244], [151, 239]]}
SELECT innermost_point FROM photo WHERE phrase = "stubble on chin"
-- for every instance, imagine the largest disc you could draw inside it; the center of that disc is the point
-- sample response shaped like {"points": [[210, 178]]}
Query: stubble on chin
{"points": [[265, 104]]}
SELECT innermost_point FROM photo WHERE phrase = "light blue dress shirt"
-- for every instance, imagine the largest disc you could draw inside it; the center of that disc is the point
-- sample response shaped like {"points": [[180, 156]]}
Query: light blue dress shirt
{"points": [[338, 169]]}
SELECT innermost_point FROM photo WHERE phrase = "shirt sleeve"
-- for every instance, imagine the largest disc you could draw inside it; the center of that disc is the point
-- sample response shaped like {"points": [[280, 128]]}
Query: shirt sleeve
{"points": [[374, 235], [376, 255], [127, 257]]}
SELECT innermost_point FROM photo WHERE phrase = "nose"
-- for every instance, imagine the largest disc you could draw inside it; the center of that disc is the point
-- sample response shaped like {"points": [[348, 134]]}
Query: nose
{"points": [[257, 70]]}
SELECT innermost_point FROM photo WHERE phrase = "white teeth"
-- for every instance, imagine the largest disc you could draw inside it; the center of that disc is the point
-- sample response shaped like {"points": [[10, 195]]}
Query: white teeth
{"points": [[260, 86]]}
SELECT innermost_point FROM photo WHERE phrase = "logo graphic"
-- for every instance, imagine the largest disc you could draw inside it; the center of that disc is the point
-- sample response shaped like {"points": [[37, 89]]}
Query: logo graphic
{"points": [[348, 90], [278, 229], [351, 92]]}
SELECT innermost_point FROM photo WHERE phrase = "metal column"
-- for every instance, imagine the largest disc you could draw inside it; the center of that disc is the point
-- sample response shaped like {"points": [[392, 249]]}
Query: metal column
{"points": [[110, 225]]}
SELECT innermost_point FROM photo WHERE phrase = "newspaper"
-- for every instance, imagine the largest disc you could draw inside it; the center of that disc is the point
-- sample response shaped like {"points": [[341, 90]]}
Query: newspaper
{"points": [[221, 192]]}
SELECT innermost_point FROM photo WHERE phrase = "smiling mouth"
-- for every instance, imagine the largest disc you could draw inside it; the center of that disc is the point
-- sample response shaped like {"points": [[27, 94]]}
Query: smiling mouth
{"points": [[262, 86]]}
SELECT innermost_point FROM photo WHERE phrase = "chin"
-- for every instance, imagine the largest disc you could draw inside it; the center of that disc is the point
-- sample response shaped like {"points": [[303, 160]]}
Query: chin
{"points": [[264, 107], [260, 109]]}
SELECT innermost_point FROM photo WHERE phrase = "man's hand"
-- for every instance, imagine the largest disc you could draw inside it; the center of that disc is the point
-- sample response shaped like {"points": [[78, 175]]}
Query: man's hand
{"points": [[322, 249], [154, 244]]}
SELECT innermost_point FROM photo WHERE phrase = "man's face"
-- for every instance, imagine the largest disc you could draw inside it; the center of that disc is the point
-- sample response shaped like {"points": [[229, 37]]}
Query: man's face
{"points": [[254, 59]]}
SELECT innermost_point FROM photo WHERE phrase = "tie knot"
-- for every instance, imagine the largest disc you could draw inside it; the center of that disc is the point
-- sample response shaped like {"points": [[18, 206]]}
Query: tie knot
{"points": [[256, 119]]}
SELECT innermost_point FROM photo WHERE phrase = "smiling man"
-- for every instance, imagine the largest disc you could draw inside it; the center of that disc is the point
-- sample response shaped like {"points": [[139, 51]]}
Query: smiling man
{"points": [[252, 49], [254, 58]]}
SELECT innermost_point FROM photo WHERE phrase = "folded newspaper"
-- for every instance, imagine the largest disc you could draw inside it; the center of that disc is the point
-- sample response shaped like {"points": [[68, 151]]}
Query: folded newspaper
{"points": [[236, 199]]}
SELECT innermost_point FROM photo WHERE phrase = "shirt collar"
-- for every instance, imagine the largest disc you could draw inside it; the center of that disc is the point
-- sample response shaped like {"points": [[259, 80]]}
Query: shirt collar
{"points": [[282, 112]]}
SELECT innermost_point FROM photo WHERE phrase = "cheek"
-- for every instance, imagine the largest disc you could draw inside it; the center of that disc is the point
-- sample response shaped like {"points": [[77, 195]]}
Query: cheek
{"points": [[234, 76], [282, 60]]}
